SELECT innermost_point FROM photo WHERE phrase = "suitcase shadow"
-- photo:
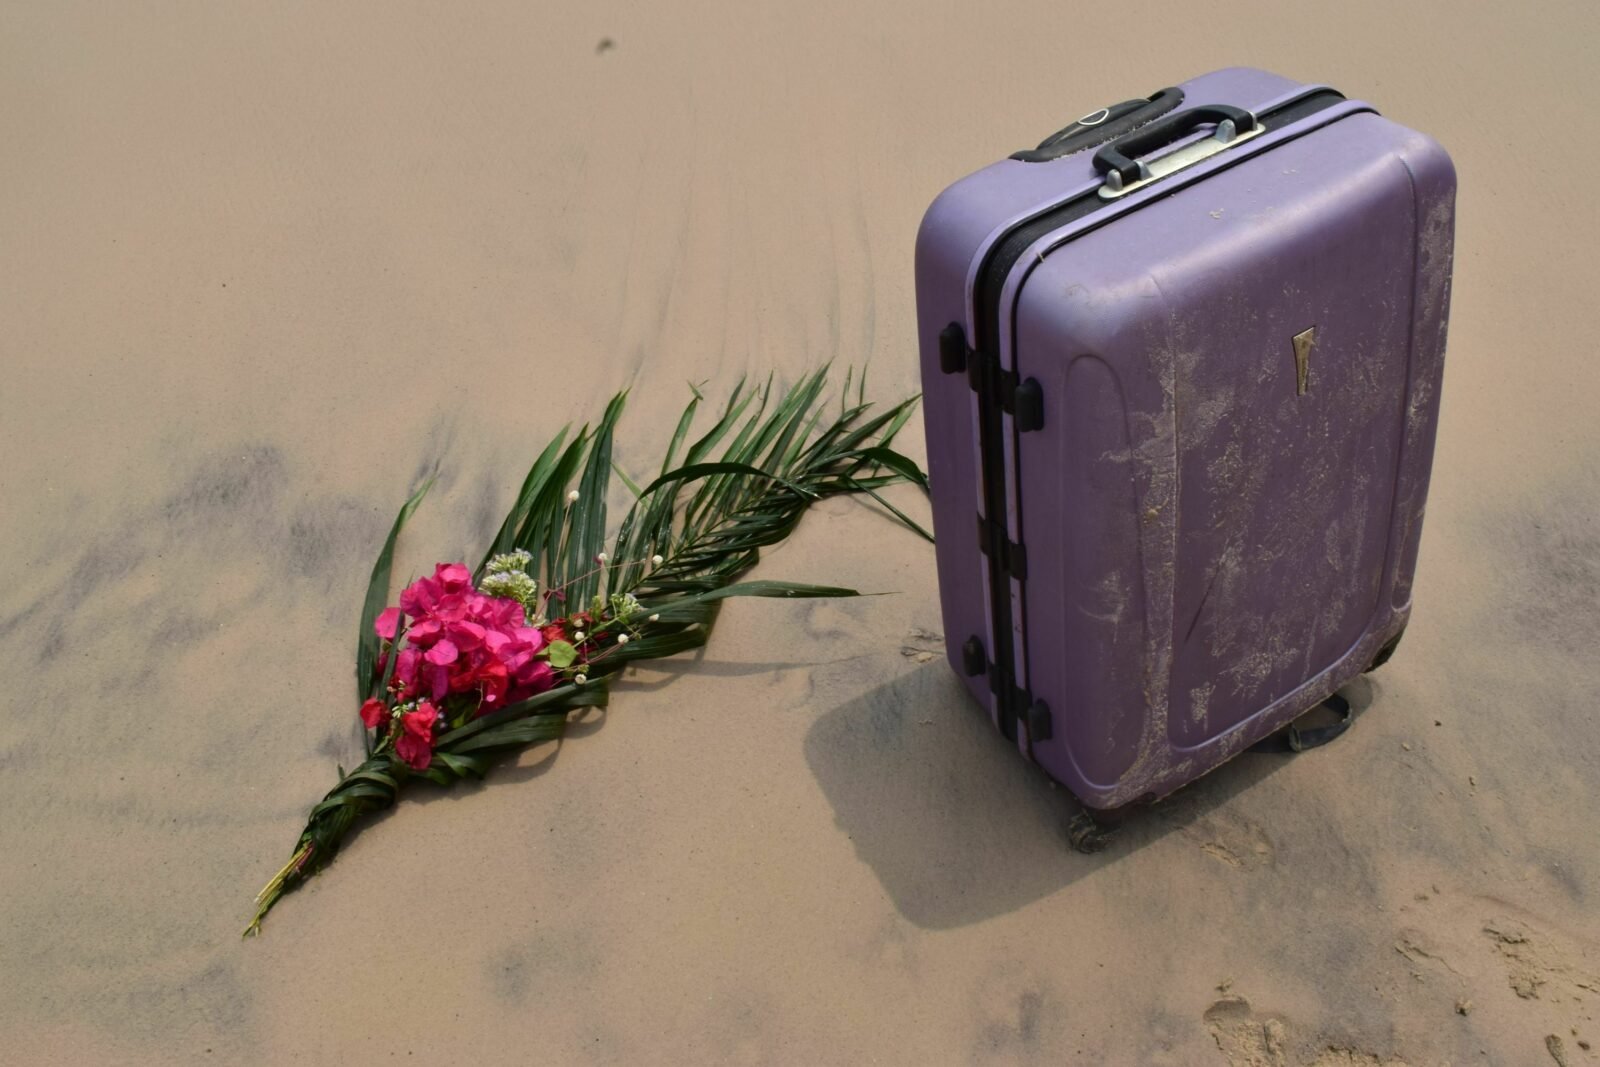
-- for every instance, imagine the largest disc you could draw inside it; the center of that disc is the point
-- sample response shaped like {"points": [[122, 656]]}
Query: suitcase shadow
{"points": [[957, 826]]}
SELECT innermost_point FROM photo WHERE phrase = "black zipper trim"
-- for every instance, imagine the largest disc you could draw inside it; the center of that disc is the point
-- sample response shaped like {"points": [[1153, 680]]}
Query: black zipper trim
{"points": [[990, 382]]}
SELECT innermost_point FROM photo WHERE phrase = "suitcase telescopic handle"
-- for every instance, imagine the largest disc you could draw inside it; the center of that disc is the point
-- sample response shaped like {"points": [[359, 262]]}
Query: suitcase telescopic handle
{"points": [[1121, 157]]}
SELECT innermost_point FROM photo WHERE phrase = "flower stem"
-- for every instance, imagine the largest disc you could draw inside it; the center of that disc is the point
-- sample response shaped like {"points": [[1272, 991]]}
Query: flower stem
{"points": [[274, 889]]}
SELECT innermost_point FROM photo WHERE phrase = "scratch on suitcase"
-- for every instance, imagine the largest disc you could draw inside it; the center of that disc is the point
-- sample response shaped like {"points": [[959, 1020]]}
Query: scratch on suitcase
{"points": [[1154, 441]]}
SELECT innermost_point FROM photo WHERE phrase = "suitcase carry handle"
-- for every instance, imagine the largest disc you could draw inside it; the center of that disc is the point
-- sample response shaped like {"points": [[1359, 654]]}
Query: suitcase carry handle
{"points": [[1102, 126], [1119, 161]]}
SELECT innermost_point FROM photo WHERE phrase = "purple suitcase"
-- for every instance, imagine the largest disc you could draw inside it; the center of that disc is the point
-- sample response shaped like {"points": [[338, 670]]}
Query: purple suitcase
{"points": [[1181, 368]]}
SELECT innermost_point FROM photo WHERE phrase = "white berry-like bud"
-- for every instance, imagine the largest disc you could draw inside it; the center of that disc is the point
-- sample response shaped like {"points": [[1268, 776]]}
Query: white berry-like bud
{"points": [[572, 497], [580, 678], [657, 560], [601, 558], [578, 636], [622, 639], [655, 618]]}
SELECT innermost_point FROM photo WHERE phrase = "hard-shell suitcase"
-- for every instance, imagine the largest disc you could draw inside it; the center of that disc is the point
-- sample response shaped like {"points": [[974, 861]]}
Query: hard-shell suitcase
{"points": [[1181, 367]]}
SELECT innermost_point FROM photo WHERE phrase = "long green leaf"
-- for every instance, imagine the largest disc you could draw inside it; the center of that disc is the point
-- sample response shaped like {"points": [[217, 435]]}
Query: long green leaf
{"points": [[656, 646], [684, 422], [560, 700], [532, 486], [900, 464], [706, 470], [708, 496], [378, 597], [521, 732], [548, 519], [905, 520], [783, 590], [586, 520], [731, 414], [633, 486]]}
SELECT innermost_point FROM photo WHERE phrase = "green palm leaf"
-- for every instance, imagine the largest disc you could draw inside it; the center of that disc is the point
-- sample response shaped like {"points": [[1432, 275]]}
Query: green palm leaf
{"points": [[378, 595]]}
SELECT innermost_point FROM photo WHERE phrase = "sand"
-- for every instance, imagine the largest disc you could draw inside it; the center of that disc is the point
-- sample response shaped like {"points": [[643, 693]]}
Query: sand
{"points": [[260, 265]]}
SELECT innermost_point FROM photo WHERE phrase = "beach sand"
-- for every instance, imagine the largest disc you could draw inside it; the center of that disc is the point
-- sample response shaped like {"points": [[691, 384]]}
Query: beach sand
{"points": [[263, 266]]}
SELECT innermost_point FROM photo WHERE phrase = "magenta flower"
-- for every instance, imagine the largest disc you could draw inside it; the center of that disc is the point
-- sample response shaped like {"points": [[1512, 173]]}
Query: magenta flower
{"points": [[373, 712], [443, 653], [387, 623], [415, 743], [462, 642]]}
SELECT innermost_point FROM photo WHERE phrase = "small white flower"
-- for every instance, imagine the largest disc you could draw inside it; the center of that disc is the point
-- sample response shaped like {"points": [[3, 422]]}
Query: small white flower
{"points": [[657, 560], [622, 639], [510, 561], [580, 678], [601, 558], [578, 636], [572, 497], [655, 618]]}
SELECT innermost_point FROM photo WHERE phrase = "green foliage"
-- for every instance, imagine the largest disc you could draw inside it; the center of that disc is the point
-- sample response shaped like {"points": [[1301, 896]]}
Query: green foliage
{"points": [[706, 518], [378, 596]]}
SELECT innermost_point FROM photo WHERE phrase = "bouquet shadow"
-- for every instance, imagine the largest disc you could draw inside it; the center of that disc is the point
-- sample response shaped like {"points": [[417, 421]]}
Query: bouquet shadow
{"points": [[535, 762], [956, 825]]}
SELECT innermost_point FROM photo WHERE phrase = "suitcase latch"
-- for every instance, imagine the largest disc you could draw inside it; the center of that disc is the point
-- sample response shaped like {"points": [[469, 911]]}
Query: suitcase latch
{"points": [[1040, 725], [1021, 398], [953, 349], [1012, 556]]}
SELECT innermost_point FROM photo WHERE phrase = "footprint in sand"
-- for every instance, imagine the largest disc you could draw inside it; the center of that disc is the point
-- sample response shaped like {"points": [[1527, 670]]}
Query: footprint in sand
{"points": [[1247, 1038], [1539, 966], [922, 646], [1233, 840]]}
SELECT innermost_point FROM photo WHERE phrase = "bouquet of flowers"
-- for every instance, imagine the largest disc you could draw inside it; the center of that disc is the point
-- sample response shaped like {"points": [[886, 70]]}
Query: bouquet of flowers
{"points": [[476, 663]]}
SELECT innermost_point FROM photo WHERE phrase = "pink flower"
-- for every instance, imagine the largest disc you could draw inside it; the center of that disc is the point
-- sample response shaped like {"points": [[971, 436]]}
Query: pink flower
{"points": [[425, 632], [489, 678], [387, 623], [536, 676], [415, 743], [462, 642], [466, 635], [443, 653], [455, 577], [406, 667], [532, 637], [373, 712], [422, 596]]}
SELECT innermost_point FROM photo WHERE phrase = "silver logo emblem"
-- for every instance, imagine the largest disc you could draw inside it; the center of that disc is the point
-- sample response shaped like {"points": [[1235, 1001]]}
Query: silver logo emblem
{"points": [[1302, 358]]}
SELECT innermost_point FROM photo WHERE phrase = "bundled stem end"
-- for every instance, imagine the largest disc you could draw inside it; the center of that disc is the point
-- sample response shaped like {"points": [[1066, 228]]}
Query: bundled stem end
{"points": [[274, 889]]}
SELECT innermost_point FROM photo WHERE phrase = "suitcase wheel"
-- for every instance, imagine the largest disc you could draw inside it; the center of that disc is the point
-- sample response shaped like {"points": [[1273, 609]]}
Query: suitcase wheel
{"points": [[1298, 738], [1385, 652], [1088, 835]]}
